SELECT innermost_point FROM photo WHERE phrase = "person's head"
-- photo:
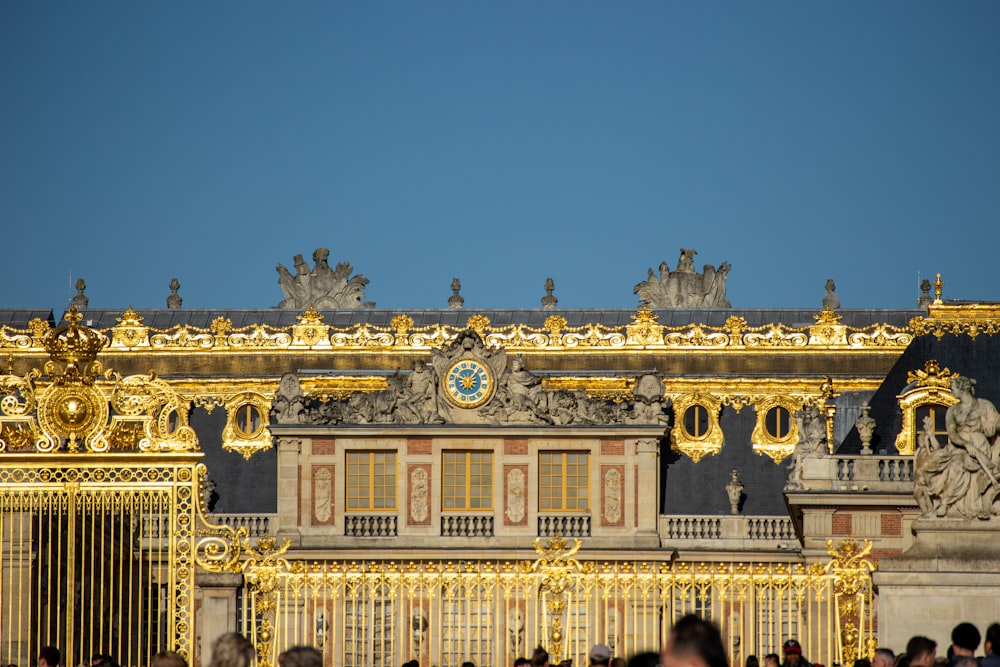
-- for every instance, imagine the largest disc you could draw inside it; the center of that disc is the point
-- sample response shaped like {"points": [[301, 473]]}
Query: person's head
{"points": [[645, 659], [49, 656], [600, 654], [621, 662], [232, 650], [884, 657], [963, 385], [752, 661], [921, 651], [168, 659], [303, 656], [772, 660], [411, 663], [521, 662], [540, 657], [992, 643], [793, 652], [862, 662], [965, 639], [694, 642], [468, 663]]}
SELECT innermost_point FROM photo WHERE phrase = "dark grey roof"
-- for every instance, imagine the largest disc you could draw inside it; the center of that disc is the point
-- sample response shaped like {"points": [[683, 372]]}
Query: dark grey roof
{"points": [[18, 318], [535, 318]]}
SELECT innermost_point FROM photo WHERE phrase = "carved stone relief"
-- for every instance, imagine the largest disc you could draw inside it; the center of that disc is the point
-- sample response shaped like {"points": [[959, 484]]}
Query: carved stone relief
{"points": [[515, 496], [322, 287], [612, 491], [515, 631], [684, 287], [322, 495], [419, 495], [471, 384]]}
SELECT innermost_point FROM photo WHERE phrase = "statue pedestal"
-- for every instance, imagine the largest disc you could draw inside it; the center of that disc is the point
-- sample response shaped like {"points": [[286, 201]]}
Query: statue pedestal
{"points": [[950, 574]]}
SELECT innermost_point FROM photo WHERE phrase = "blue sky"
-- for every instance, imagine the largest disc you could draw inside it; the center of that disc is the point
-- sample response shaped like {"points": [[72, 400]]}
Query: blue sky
{"points": [[502, 143]]}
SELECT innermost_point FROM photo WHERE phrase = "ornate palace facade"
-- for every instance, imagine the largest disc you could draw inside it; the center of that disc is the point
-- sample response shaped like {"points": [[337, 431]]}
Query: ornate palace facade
{"points": [[447, 484]]}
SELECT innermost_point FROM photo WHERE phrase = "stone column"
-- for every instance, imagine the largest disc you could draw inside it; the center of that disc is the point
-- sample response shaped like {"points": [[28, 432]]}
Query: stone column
{"points": [[289, 450], [648, 483], [217, 613]]}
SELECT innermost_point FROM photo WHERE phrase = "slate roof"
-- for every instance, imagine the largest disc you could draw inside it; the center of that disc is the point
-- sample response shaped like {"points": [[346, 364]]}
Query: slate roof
{"points": [[18, 318]]}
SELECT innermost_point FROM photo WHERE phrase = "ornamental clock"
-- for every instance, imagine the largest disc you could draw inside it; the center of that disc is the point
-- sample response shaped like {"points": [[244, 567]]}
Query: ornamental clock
{"points": [[468, 383]]}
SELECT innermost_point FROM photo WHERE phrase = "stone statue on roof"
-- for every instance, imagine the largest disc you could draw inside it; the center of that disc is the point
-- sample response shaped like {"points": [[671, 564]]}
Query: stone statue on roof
{"points": [[322, 287], [685, 287]]}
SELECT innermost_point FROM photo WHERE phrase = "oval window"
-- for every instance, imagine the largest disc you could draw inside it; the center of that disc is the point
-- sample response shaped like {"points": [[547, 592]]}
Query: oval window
{"points": [[696, 422], [248, 420], [777, 422]]}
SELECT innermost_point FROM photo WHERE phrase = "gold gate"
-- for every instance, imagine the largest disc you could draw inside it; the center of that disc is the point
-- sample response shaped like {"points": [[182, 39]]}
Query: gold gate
{"points": [[383, 613], [99, 485]]}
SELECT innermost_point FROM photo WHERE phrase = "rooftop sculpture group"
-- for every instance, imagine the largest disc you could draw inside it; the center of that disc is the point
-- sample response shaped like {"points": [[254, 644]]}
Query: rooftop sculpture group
{"points": [[684, 287], [322, 287]]}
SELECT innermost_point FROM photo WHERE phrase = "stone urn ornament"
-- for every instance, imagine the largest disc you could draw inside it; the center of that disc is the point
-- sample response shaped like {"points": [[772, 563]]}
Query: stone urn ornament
{"points": [[866, 428], [734, 489]]}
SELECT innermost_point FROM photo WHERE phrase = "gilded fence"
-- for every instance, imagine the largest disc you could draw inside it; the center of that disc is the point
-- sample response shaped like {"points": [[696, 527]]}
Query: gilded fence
{"points": [[383, 613]]}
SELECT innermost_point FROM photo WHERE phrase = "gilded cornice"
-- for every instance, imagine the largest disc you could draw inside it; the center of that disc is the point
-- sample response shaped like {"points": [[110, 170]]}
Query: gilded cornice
{"points": [[643, 333], [970, 319]]}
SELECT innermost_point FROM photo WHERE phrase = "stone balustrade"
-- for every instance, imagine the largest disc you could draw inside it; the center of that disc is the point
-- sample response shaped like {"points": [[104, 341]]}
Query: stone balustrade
{"points": [[370, 525], [874, 474], [255, 524], [564, 525], [466, 525], [735, 532]]}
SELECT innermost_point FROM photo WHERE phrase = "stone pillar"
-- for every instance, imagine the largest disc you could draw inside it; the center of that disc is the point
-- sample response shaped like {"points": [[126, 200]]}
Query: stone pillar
{"points": [[648, 483], [217, 613], [289, 450]]}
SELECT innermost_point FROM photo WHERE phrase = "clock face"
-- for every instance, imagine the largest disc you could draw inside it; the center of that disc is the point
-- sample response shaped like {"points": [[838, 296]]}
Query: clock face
{"points": [[468, 383]]}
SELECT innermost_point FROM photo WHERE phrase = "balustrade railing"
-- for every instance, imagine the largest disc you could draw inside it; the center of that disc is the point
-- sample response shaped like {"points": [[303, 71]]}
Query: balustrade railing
{"points": [[466, 525], [370, 525], [564, 525]]}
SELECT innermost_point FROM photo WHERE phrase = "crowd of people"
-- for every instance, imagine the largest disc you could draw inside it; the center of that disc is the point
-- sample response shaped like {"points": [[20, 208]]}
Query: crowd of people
{"points": [[693, 642]]}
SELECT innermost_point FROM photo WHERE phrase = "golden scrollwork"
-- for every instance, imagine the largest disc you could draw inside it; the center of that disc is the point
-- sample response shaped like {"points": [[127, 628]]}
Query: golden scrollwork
{"points": [[697, 439], [854, 597], [643, 332]]}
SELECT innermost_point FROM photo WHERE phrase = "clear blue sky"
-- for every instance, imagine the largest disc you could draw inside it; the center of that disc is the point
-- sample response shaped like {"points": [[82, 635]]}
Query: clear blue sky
{"points": [[500, 142]]}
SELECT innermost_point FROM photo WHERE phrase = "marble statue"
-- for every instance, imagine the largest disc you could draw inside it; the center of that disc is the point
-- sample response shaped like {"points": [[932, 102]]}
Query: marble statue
{"points": [[830, 300], [419, 399], [812, 443], [322, 287], [734, 490], [959, 478], [866, 429], [685, 287]]}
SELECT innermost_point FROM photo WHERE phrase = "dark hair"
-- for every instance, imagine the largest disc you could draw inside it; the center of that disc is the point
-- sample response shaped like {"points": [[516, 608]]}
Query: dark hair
{"points": [[966, 635], [539, 657], [50, 654], [303, 656], [644, 660], [752, 661], [993, 637], [772, 656], [886, 653], [919, 645], [694, 636], [521, 661], [862, 662], [468, 663], [411, 663]]}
